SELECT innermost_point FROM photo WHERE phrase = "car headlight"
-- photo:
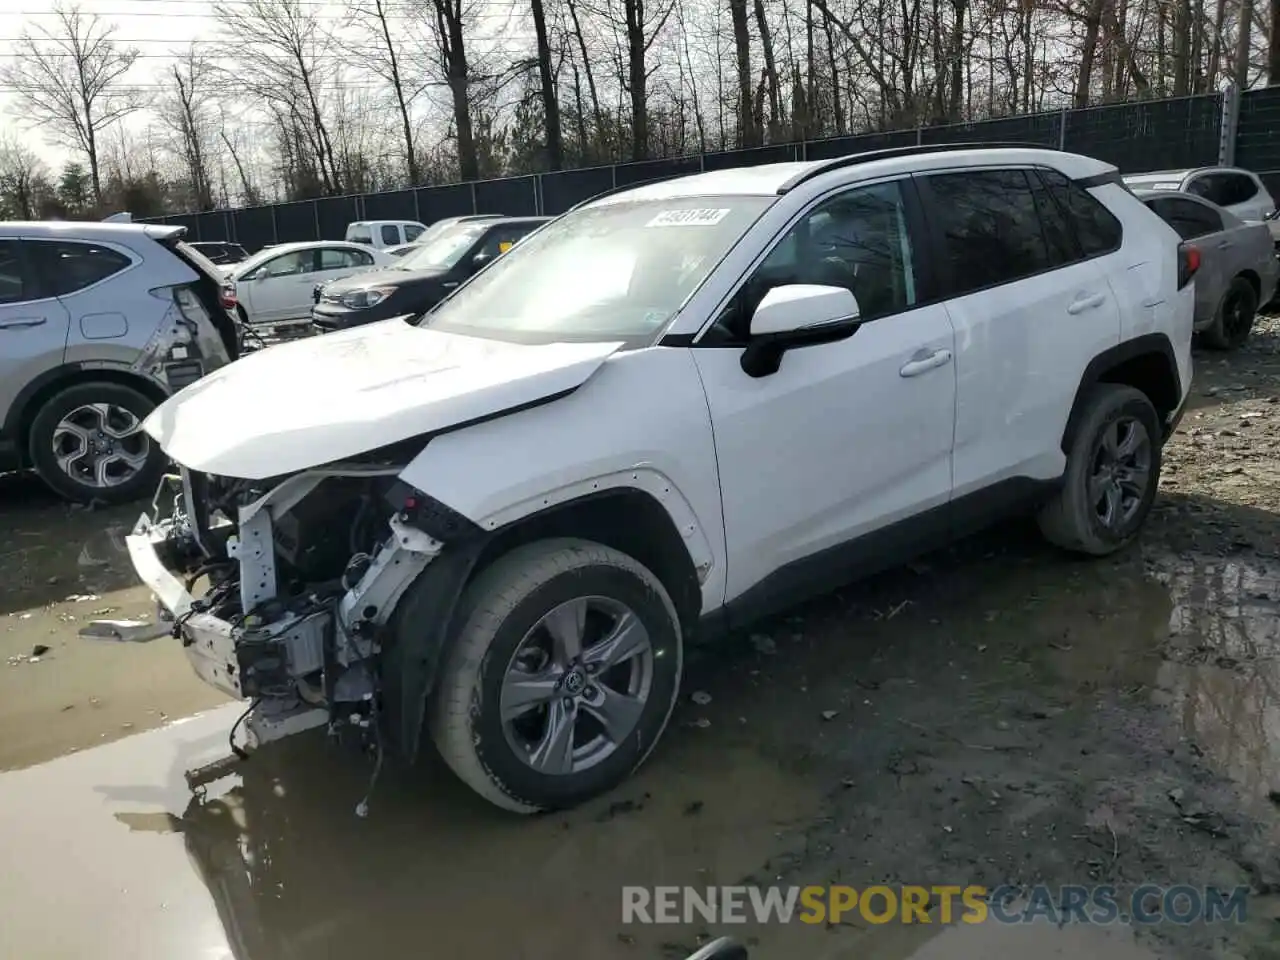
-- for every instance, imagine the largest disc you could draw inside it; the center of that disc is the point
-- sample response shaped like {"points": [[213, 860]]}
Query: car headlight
{"points": [[359, 299]]}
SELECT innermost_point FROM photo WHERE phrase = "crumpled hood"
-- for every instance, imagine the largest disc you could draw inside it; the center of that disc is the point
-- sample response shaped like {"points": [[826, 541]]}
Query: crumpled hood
{"points": [[329, 397]]}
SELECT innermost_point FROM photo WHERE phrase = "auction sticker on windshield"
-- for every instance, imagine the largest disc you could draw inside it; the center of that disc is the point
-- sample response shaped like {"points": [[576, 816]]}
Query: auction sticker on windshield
{"points": [[688, 218]]}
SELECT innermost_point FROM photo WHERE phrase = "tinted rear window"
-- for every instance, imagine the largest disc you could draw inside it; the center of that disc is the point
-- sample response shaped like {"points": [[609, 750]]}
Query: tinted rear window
{"points": [[69, 266], [1095, 226]]}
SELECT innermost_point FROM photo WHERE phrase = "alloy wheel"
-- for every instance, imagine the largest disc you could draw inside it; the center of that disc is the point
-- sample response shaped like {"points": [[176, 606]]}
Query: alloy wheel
{"points": [[577, 685], [1121, 473], [100, 445]]}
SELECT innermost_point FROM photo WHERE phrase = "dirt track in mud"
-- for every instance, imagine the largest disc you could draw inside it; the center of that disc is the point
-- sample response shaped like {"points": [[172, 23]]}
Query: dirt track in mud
{"points": [[995, 713]]}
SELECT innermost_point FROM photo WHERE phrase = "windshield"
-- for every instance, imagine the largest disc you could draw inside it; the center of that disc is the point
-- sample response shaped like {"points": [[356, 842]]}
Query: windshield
{"points": [[617, 271], [443, 250]]}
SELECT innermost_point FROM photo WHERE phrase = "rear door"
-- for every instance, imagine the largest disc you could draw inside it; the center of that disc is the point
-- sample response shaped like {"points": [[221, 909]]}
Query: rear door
{"points": [[33, 325], [1030, 311]]}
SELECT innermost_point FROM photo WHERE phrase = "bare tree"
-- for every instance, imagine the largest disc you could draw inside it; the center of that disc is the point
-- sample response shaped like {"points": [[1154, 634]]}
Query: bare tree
{"points": [[450, 29], [186, 113], [547, 85], [72, 78], [385, 61], [288, 66], [21, 175]]}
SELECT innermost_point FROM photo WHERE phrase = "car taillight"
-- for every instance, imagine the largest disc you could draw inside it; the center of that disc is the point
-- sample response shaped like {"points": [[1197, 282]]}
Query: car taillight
{"points": [[227, 296], [1188, 263]]}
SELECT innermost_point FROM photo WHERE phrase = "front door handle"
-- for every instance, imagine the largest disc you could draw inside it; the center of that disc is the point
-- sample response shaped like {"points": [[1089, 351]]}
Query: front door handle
{"points": [[1086, 302], [22, 323], [449, 285], [924, 361]]}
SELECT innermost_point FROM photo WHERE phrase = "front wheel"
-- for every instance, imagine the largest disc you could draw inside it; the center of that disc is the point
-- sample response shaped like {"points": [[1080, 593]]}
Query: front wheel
{"points": [[1113, 469], [87, 443], [562, 677]]}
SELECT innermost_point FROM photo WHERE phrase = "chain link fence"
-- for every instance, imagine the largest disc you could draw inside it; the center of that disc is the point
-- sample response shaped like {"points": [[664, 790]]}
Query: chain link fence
{"points": [[1157, 134]]}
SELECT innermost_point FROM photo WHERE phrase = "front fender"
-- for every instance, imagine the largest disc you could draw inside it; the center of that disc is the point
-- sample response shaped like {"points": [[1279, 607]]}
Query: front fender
{"points": [[641, 422]]}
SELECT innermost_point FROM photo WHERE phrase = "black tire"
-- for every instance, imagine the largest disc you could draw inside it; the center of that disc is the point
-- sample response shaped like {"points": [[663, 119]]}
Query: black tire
{"points": [[143, 479], [496, 613], [1234, 320], [1072, 520]]}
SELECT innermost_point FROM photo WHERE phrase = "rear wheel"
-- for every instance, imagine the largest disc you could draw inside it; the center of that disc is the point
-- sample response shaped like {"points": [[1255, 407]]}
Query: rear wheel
{"points": [[87, 443], [1234, 322], [562, 677], [1113, 469]]}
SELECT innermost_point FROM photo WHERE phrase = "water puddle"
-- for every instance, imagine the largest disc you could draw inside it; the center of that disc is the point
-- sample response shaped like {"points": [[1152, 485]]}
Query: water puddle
{"points": [[279, 867], [1221, 673]]}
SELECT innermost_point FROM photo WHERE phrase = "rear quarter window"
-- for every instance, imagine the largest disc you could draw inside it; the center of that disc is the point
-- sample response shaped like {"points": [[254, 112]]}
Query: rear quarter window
{"points": [[69, 266], [1096, 227]]}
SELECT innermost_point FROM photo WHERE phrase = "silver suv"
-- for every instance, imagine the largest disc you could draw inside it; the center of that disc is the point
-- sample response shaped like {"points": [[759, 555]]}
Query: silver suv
{"points": [[99, 323]]}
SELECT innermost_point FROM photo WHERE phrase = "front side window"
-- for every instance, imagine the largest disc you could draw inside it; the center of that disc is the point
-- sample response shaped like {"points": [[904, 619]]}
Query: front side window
{"points": [[1096, 227], [990, 227], [614, 271], [15, 283], [69, 266], [390, 234], [857, 240]]}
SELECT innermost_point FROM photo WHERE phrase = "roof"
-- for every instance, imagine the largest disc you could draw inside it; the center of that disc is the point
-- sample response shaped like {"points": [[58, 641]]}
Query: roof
{"points": [[87, 229], [773, 179]]}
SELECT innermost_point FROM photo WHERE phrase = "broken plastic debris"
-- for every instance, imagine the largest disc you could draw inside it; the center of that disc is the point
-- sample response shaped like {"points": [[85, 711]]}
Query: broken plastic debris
{"points": [[700, 697], [124, 631]]}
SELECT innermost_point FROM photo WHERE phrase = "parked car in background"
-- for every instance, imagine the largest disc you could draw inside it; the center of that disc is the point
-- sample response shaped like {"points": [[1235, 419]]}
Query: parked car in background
{"points": [[1238, 266], [99, 323], [1238, 191], [220, 252], [276, 284], [381, 234], [419, 280]]}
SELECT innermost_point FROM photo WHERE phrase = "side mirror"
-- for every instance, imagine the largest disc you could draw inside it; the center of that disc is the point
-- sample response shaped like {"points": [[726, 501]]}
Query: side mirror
{"points": [[479, 260], [797, 315]]}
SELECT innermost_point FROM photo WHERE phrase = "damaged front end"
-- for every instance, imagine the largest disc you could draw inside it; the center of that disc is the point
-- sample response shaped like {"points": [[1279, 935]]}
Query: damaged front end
{"points": [[281, 591]]}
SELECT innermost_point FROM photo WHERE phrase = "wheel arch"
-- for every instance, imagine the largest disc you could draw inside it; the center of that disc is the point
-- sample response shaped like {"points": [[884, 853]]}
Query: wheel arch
{"points": [[41, 389], [1146, 363], [1255, 281], [629, 519]]}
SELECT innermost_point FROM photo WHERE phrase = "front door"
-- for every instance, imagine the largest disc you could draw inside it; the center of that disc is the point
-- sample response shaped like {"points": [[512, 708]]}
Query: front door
{"points": [[846, 438], [33, 327], [281, 287]]}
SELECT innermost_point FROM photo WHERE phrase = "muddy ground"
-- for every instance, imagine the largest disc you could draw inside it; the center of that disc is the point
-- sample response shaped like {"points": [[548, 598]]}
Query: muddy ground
{"points": [[994, 714]]}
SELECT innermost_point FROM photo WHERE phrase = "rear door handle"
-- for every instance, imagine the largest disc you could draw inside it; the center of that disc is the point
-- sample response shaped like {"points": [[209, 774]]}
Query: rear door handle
{"points": [[1086, 302], [924, 361], [450, 284], [22, 323]]}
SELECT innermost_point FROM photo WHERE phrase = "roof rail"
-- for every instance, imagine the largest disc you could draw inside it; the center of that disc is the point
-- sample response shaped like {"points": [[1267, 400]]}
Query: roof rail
{"points": [[625, 187], [890, 153]]}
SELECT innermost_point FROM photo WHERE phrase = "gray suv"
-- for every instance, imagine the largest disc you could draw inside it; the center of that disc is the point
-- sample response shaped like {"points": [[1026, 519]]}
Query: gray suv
{"points": [[99, 323]]}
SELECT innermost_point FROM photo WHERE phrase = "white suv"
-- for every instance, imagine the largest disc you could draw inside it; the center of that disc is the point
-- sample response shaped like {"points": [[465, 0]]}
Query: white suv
{"points": [[671, 411]]}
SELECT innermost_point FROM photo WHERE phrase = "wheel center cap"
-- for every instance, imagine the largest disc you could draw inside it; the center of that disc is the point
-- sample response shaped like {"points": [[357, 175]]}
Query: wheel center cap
{"points": [[574, 682]]}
